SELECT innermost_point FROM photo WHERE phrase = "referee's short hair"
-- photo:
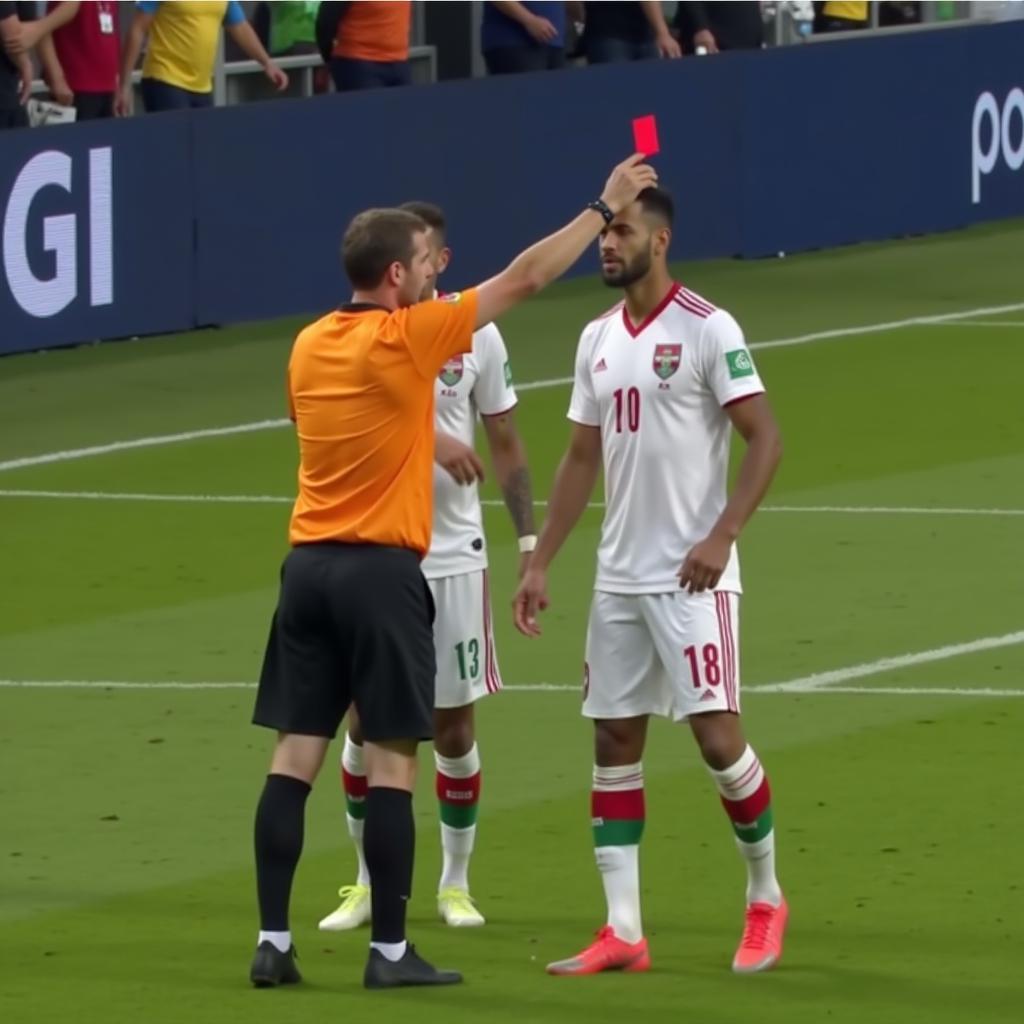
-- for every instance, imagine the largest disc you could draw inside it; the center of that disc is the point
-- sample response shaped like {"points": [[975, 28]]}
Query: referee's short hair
{"points": [[431, 214], [374, 240]]}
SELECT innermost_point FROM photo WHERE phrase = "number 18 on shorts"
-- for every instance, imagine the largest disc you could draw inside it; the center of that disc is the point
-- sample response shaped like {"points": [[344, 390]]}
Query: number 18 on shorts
{"points": [[673, 655]]}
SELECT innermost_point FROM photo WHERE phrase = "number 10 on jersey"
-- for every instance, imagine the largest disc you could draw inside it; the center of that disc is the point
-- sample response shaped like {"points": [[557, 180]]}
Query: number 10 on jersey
{"points": [[627, 410]]}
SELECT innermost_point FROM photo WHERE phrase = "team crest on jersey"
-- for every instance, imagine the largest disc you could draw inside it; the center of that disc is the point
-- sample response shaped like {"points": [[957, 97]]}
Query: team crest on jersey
{"points": [[667, 359], [451, 372]]}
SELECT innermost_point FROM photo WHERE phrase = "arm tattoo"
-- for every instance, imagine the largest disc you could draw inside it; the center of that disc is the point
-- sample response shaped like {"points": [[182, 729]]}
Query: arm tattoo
{"points": [[519, 500]]}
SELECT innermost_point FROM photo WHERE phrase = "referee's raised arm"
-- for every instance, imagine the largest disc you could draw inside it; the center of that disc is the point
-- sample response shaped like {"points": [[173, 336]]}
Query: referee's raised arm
{"points": [[547, 260]]}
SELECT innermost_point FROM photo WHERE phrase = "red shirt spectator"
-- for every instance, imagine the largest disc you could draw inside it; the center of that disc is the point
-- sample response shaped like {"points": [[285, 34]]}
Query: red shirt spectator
{"points": [[82, 61]]}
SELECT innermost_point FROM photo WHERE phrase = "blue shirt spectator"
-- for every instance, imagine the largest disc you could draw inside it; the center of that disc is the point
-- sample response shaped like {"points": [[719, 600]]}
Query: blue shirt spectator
{"points": [[526, 36]]}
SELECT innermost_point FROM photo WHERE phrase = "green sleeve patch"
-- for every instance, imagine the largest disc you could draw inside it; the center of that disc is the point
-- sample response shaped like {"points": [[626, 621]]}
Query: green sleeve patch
{"points": [[508, 374], [740, 364]]}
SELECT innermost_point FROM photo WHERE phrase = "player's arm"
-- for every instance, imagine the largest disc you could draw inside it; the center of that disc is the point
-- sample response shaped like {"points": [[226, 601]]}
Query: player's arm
{"points": [[508, 456], [574, 484], [133, 40], [755, 423], [458, 460], [545, 261]]}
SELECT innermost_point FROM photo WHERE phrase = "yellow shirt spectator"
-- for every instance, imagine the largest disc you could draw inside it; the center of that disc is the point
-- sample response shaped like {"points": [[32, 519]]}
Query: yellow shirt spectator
{"points": [[183, 40], [848, 11]]}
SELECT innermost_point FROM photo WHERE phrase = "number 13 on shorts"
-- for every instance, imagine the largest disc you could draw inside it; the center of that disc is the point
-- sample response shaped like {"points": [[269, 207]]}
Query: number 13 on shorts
{"points": [[468, 655]]}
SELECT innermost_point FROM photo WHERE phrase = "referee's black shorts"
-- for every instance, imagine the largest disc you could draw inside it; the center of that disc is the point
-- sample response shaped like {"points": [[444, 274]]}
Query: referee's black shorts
{"points": [[354, 625]]}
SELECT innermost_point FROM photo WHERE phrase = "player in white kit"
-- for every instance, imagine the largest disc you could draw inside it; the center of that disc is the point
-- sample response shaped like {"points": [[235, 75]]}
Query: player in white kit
{"points": [[660, 382], [479, 382]]}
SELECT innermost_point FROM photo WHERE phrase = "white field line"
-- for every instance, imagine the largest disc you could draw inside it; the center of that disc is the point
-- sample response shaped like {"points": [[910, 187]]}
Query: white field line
{"points": [[139, 442], [981, 323], [895, 510], [188, 499], [245, 428], [910, 691], [885, 691], [818, 682], [881, 510], [277, 499]]}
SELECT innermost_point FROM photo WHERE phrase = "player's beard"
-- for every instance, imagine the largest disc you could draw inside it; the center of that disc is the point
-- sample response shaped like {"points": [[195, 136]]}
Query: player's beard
{"points": [[628, 273]]}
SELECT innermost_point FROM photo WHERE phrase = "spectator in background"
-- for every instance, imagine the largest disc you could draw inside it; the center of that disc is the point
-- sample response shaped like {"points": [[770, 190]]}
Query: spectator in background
{"points": [[80, 50], [712, 27], [15, 67], [178, 71], [366, 44], [287, 27], [624, 31], [518, 37], [899, 14], [842, 17]]}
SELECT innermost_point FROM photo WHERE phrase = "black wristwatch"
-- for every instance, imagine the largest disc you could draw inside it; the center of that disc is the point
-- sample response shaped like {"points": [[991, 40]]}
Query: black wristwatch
{"points": [[602, 208]]}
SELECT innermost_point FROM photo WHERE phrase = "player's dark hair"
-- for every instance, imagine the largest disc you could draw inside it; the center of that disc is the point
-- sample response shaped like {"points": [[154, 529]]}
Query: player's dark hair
{"points": [[374, 240], [658, 201], [430, 213]]}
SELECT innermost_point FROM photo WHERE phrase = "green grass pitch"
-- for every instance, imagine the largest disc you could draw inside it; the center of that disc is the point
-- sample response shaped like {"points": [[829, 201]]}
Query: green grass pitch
{"points": [[126, 889]]}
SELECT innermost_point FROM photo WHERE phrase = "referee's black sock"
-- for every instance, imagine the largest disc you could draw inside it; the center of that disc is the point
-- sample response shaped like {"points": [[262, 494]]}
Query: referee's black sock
{"points": [[280, 823], [389, 843]]}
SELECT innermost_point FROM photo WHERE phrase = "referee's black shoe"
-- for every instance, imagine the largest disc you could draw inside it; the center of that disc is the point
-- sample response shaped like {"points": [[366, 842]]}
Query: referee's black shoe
{"points": [[271, 967], [412, 969]]}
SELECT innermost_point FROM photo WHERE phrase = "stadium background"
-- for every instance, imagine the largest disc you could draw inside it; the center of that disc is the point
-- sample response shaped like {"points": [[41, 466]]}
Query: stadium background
{"points": [[144, 492]]}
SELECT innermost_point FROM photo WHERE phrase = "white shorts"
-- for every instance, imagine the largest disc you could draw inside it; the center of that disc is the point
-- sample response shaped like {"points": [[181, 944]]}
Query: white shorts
{"points": [[673, 655], [467, 668]]}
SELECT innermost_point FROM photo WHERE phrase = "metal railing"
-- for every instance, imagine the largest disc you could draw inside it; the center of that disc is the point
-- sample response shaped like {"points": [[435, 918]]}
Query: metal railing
{"points": [[782, 29], [243, 81]]}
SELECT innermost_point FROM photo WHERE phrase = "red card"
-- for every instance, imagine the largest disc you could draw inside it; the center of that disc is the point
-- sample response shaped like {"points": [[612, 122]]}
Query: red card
{"points": [[645, 135]]}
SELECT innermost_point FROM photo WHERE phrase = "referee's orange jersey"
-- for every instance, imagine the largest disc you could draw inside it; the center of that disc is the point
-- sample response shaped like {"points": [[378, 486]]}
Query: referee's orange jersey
{"points": [[361, 393]]}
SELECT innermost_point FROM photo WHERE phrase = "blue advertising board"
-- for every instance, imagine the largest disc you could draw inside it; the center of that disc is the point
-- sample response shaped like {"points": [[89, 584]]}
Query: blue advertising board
{"points": [[207, 217]]}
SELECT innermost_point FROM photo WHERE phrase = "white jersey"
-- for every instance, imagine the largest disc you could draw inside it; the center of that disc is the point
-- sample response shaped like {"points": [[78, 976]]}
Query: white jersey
{"points": [[658, 392], [478, 382]]}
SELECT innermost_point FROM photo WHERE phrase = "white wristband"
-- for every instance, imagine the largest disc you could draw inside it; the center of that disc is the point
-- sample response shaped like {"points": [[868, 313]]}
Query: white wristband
{"points": [[527, 543]]}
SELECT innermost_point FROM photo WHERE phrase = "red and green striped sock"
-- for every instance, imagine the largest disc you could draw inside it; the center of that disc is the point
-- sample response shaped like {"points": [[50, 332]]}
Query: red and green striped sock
{"points": [[746, 797], [458, 795], [353, 782], [617, 816]]}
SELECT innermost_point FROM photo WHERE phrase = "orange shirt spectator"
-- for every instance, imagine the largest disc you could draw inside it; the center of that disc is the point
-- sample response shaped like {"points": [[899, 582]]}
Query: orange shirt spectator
{"points": [[366, 43]]}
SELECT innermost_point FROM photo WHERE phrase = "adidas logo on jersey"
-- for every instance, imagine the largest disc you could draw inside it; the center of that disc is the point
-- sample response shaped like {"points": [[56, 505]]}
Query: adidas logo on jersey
{"points": [[707, 695], [601, 365]]}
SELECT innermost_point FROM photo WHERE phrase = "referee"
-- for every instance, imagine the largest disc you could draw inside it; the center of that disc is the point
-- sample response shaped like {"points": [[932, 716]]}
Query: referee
{"points": [[354, 614]]}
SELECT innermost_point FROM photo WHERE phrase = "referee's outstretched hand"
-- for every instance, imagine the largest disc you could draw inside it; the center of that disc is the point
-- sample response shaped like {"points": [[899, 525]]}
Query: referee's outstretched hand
{"points": [[627, 181], [459, 460]]}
